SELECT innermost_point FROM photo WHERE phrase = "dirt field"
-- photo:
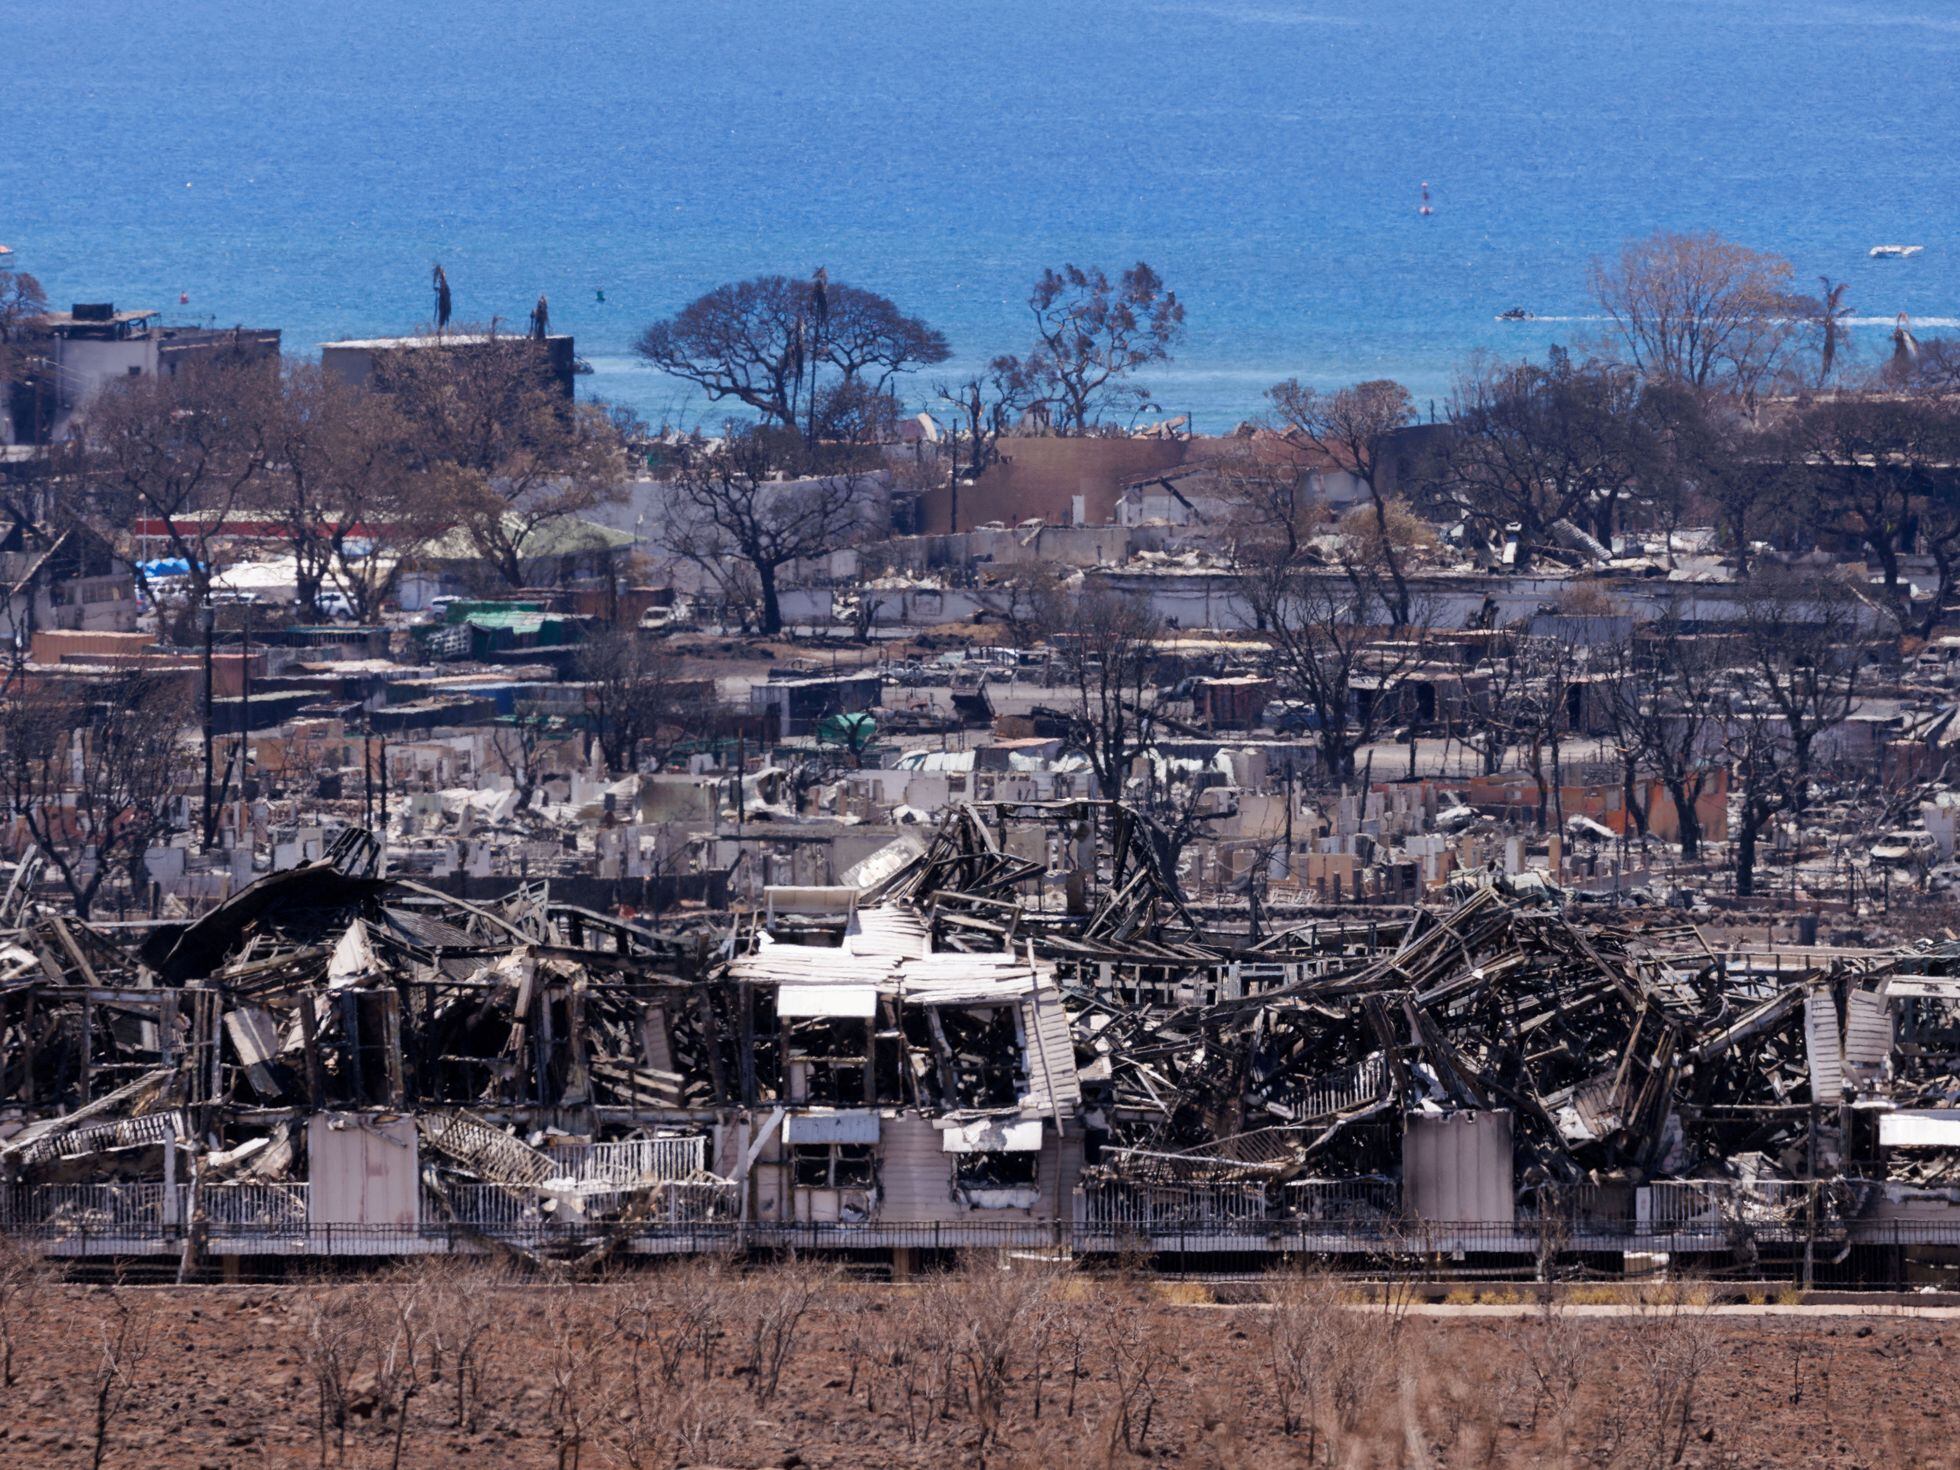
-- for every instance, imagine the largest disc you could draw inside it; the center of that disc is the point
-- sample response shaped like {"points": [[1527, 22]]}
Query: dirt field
{"points": [[800, 1368]]}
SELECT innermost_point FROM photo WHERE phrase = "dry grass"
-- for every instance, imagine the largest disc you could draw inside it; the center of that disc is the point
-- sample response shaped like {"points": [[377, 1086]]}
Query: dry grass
{"points": [[998, 1362]]}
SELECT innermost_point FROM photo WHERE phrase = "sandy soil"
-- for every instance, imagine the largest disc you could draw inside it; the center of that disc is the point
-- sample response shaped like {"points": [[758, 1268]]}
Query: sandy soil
{"points": [[878, 1375]]}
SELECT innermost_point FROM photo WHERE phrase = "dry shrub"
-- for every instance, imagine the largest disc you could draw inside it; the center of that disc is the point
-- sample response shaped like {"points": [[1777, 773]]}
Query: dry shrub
{"points": [[995, 1317], [464, 1307], [678, 1315], [1559, 1358], [1331, 1363], [772, 1306], [579, 1390], [333, 1329], [1667, 1343], [125, 1332], [666, 1329], [402, 1346], [23, 1274], [1140, 1356]]}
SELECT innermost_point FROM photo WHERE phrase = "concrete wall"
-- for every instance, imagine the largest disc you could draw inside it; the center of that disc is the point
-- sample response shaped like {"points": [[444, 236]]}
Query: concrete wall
{"points": [[1040, 478]]}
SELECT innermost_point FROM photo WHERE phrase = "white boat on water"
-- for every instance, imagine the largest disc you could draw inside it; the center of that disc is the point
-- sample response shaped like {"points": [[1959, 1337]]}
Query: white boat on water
{"points": [[1895, 252]]}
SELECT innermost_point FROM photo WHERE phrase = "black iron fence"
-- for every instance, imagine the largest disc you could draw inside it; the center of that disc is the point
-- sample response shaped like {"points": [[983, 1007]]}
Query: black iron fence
{"points": [[1888, 1255]]}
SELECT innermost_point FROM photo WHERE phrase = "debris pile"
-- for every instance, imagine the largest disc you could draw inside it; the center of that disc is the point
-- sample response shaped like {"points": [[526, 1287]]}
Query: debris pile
{"points": [[965, 1039]]}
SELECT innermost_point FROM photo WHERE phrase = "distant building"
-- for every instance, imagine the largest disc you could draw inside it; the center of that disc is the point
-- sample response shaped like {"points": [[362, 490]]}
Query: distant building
{"points": [[93, 344], [61, 579], [355, 360]]}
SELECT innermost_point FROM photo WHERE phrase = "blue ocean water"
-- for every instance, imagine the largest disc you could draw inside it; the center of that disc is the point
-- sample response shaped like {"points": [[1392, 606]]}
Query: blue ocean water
{"points": [[302, 164]]}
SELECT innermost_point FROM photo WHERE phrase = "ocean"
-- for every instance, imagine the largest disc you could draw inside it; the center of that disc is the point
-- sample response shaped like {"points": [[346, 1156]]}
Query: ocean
{"points": [[302, 165]]}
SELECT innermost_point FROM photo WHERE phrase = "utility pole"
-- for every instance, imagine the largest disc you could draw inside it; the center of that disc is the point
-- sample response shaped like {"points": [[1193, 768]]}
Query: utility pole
{"points": [[205, 617], [245, 704]]}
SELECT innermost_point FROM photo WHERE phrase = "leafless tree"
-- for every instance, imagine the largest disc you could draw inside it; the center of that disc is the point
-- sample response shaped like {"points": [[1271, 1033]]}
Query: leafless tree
{"points": [[1330, 653], [1111, 661], [1703, 310], [1271, 516], [343, 491], [1663, 697], [1537, 710], [729, 507], [986, 405], [1797, 680], [1092, 334], [1533, 446], [1031, 600], [518, 744], [1346, 428], [632, 694], [92, 776]]}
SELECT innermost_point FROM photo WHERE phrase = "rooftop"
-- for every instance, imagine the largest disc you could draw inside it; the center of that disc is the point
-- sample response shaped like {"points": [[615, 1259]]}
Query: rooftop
{"points": [[448, 339]]}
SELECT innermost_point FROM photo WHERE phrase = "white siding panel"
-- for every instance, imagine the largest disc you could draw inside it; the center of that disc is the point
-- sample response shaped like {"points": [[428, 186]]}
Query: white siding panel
{"points": [[1457, 1167], [363, 1170], [915, 1176]]}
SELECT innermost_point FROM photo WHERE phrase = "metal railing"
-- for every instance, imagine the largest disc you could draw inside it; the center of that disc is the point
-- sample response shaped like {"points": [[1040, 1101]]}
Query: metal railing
{"points": [[632, 1161], [1718, 1229]]}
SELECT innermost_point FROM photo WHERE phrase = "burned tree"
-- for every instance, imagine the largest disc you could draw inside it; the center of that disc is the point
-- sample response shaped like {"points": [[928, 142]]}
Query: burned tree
{"points": [[1663, 703], [91, 775], [1092, 334], [1346, 428], [1331, 653], [632, 695], [1883, 468], [1535, 446], [1797, 681], [780, 345], [728, 509], [184, 452], [342, 489], [1112, 658], [500, 450], [984, 406], [519, 743]]}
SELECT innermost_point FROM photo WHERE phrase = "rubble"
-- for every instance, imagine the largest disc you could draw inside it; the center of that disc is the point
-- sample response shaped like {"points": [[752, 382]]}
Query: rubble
{"points": [[345, 1060]]}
